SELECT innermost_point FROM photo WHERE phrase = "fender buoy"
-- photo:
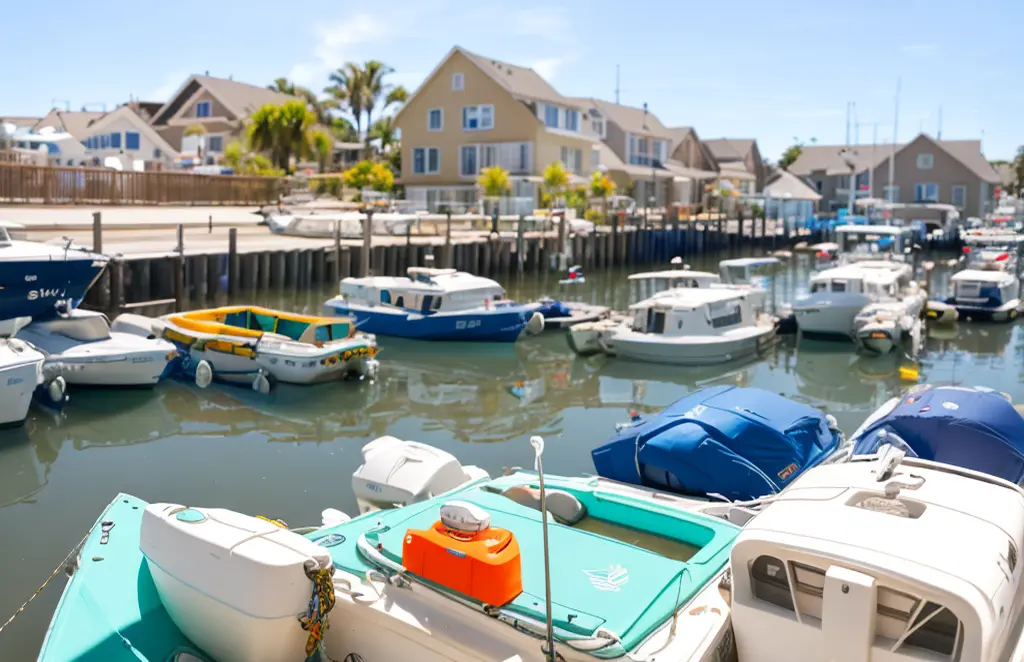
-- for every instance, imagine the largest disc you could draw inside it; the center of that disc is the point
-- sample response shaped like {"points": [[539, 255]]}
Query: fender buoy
{"points": [[204, 374], [57, 389], [260, 383], [536, 324]]}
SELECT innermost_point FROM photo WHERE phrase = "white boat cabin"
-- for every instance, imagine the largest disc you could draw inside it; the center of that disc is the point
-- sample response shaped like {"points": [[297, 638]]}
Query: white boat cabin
{"points": [[748, 270], [1000, 251], [983, 286], [882, 559], [857, 242], [695, 311], [424, 290], [649, 283], [878, 280]]}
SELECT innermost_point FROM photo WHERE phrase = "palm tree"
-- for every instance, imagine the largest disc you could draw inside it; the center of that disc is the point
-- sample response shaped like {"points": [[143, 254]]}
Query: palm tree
{"points": [[376, 91], [348, 88], [282, 131], [386, 132], [321, 107], [323, 146], [284, 86]]}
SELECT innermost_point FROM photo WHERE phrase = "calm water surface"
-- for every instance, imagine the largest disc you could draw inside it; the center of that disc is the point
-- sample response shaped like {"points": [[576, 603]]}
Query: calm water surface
{"points": [[291, 454]]}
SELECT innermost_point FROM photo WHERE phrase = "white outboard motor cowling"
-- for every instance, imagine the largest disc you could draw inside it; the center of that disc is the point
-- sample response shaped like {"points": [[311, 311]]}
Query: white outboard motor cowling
{"points": [[398, 473], [234, 585]]}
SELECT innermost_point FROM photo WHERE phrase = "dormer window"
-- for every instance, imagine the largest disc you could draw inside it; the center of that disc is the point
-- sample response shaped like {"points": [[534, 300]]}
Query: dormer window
{"points": [[551, 117], [925, 161], [204, 109], [458, 82]]}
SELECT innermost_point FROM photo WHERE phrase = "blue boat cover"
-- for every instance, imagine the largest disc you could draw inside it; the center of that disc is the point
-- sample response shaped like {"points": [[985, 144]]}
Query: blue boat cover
{"points": [[973, 428], [740, 443]]}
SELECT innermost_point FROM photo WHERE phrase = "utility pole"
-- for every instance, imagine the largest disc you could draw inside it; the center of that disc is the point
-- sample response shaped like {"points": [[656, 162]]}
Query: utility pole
{"points": [[892, 151]]}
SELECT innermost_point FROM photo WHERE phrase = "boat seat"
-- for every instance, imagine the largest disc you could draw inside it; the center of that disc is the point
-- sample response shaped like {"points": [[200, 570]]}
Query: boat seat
{"points": [[563, 506]]}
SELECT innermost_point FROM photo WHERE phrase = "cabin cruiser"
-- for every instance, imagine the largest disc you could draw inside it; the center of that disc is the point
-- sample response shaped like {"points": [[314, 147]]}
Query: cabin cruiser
{"points": [[435, 304], [727, 442], [885, 557], [348, 224], [259, 346], [442, 563], [839, 294], [988, 288], [42, 280], [92, 353], [691, 326]]}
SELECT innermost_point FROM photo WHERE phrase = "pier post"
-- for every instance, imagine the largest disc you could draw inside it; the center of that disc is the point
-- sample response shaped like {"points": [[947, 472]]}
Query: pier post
{"points": [[199, 280], [181, 240], [520, 246], [97, 232], [178, 264], [116, 286], [232, 261], [448, 258], [364, 254], [336, 272], [210, 230], [264, 272], [345, 263]]}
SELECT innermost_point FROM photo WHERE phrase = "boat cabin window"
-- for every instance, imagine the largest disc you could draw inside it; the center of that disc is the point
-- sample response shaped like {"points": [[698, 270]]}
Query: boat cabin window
{"points": [[769, 582], [967, 288], [385, 296], [85, 329], [400, 302], [656, 321], [722, 314]]}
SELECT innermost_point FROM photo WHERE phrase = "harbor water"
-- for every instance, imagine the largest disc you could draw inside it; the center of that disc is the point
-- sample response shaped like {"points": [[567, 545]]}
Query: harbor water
{"points": [[291, 454]]}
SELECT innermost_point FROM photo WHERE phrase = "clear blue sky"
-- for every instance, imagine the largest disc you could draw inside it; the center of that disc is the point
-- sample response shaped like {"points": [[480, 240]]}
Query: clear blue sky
{"points": [[746, 68]]}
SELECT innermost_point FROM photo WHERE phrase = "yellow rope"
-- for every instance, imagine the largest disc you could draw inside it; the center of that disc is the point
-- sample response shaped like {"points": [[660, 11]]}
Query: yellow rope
{"points": [[275, 522]]}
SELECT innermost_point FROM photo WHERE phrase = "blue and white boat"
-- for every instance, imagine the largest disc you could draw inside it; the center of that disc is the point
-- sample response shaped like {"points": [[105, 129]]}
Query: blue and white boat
{"points": [[41, 280], [435, 304], [988, 288], [729, 442], [974, 428]]}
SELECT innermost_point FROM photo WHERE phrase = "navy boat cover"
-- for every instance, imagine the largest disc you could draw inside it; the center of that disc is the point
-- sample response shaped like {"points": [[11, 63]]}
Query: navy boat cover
{"points": [[740, 443], [973, 428]]}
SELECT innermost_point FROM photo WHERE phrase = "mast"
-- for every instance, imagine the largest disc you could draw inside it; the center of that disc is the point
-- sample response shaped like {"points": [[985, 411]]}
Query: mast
{"points": [[892, 150]]}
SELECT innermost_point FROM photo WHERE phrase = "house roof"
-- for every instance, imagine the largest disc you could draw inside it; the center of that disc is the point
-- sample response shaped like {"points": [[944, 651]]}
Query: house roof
{"points": [[829, 158], [521, 82], [729, 149], [74, 122], [790, 187], [628, 118], [735, 170], [680, 133], [20, 122], [241, 99], [140, 122]]}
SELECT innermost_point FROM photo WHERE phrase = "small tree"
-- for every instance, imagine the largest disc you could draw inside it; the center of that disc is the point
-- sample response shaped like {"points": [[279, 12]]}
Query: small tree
{"points": [[793, 152], [556, 181], [367, 174], [602, 186], [199, 131], [323, 146], [494, 181]]}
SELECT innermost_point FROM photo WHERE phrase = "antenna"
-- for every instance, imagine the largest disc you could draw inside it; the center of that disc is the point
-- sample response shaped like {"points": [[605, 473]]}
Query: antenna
{"points": [[939, 135], [616, 84], [892, 151], [67, 104], [848, 104]]}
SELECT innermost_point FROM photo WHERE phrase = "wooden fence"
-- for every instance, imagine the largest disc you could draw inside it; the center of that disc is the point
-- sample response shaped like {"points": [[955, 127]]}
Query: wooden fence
{"points": [[54, 185], [9, 156]]}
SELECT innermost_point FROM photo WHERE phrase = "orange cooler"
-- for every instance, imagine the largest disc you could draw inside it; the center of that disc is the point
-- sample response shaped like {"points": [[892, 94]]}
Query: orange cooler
{"points": [[484, 565]]}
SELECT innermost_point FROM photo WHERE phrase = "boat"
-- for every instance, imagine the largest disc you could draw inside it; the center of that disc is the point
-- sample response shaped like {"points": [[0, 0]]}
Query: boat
{"points": [[465, 572], [885, 557], [435, 304], [43, 280], [976, 428], [259, 346], [839, 294], [348, 224], [988, 287], [24, 376], [737, 444], [92, 353], [882, 326], [689, 326], [560, 315]]}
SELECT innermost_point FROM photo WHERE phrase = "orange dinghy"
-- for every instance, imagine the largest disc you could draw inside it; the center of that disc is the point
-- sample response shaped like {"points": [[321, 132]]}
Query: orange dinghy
{"points": [[464, 553]]}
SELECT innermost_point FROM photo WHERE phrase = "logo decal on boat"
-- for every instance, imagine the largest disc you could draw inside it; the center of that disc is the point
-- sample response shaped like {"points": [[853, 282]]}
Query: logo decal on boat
{"points": [[950, 405], [610, 579], [788, 471]]}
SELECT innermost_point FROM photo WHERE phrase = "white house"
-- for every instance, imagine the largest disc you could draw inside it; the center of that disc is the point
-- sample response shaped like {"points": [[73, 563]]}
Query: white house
{"points": [[123, 134]]}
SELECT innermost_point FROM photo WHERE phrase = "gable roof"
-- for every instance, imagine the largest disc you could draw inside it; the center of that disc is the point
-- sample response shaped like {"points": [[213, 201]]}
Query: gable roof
{"points": [[521, 82], [241, 99], [730, 149], [628, 118], [128, 113], [679, 134], [788, 186], [829, 158], [74, 122]]}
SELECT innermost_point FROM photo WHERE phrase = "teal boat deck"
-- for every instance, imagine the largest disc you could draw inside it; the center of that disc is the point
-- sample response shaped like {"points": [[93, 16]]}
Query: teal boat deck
{"points": [[110, 610], [596, 582]]}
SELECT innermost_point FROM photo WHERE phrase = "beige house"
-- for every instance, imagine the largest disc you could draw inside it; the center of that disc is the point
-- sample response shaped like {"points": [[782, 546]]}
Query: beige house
{"points": [[740, 163], [473, 112], [926, 170], [219, 105]]}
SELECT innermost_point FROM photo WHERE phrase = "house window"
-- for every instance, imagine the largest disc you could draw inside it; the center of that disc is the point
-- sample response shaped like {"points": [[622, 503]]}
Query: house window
{"points": [[215, 144], [115, 140], [572, 159], [477, 118], [104, 141], [818, 184], [894, 191], [551, 116], [959, 193], [435, 119], [524, 157], [488, 156], [131, 140], [597, 126], [156, 153], [925, 161], [468, 165], [204, 109], [426, 161], [661, 151], [458, 81], [595, 159], [572, 120], [927, 192]]}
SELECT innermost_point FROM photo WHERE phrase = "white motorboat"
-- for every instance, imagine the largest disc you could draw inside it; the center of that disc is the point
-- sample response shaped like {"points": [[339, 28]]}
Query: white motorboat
{"points": [[91, 353], [21, 373], [882, 558], [882, 326], [988, 288], [349, 224], [838, 295], [692, 326]]}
